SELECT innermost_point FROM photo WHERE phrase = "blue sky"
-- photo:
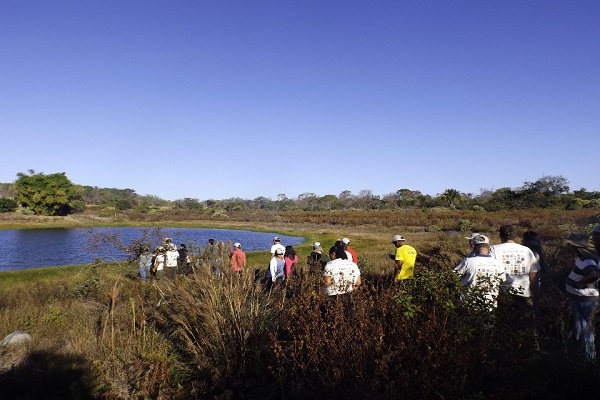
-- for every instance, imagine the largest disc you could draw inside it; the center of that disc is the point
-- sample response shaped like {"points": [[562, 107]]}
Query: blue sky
{"points": [[220, 99]]}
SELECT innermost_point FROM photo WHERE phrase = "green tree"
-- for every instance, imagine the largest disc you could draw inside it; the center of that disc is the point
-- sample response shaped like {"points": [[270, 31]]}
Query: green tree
{"points": [[452, 197], [45, 194], [7, 204]]}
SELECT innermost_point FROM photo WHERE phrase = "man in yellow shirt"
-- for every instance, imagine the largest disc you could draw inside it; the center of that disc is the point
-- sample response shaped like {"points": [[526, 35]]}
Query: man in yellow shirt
{"points": [[405, 258]]}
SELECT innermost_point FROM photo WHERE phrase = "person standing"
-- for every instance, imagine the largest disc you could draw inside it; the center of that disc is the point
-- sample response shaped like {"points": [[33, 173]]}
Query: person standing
{"points": [[582, 290], [171, 258], [277, 245], [184, 259], [291, 260], [340, 275], [404, 258], [275, 273], [350, 250], [315, 260], [238, 259], [145, 262], [520, 265], [159, 262], [482, 271]]}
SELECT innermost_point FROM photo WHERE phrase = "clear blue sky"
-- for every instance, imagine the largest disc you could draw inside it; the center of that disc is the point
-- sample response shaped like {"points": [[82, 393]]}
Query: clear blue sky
{"points": [[220, 99]]}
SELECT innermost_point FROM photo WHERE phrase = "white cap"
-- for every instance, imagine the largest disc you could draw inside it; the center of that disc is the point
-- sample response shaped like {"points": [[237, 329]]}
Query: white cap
{"points": [[473, 236], [237, 245], [316, 244], [397, 237], [481, 239], [346, 240], [276, 239]]}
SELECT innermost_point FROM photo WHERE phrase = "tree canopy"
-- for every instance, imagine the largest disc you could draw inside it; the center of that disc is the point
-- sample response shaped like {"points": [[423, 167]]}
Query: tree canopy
{"points": [[45, 194]]}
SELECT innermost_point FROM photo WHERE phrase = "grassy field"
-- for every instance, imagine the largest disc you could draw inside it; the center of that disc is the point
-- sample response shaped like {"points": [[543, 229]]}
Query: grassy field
{"points": [[98, 332]]}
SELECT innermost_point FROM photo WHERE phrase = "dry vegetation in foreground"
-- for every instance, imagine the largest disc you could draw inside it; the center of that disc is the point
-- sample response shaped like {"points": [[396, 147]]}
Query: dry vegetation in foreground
{"points": [[100, 333]]}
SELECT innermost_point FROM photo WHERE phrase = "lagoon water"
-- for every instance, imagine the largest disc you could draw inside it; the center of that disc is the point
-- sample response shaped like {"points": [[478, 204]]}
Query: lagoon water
{"points": [[34, 248]]}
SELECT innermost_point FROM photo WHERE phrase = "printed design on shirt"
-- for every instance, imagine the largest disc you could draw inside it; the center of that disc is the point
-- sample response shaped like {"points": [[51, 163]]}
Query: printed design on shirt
{"points": [[514, 263]]}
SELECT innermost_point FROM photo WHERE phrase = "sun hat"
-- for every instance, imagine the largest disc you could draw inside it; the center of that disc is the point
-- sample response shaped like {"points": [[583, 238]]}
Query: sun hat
{"points": [[278, 251], [473, 236], [481, 239], [578, 240], [237, 245], [346, 240], [397, 237]]}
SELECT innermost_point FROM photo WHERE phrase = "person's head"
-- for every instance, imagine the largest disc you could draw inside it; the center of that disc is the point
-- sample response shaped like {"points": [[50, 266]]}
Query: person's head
{"points": [[182, 246], [341, 244], [279, 253], [211, 241], [596, 237], [289, 252], [481, 244], [473, 236], [336, 252], [346, 241], [532, 240], [398, 240], [507, 232], [237, 245], [580, 245]]}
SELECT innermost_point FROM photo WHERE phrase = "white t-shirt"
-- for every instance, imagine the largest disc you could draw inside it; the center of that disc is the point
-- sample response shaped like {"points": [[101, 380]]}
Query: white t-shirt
{"points": [[277, 246], [484, 272], [518, 261], [344, 274], [171, 258], [160, 261]]}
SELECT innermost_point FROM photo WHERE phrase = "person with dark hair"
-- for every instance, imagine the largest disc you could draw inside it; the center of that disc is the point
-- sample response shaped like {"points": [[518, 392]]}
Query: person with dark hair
{"points": [[520, 264], [340, 275], [184, 259], [340, 245], [291, 260], [522, 279], [582, 289], [532, 240]]}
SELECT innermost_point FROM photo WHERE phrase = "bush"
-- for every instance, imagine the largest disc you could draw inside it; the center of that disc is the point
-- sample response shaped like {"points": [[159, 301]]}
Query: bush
{"points": [[7, 204]]}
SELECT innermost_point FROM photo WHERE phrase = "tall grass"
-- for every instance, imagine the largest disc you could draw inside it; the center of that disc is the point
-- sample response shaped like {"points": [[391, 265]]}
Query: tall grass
{"points": [[101, 333]]}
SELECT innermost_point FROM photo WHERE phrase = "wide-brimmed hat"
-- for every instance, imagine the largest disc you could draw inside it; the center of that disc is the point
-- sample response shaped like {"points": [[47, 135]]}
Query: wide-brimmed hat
{"points": [[578, 240]]}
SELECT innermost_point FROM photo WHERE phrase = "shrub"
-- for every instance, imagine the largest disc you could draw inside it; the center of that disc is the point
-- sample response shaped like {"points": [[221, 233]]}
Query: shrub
{"points": [[7, 204]]}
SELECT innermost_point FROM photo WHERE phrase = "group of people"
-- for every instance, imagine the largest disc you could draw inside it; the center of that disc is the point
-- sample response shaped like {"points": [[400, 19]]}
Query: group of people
{"points": [[165, 260], [518, 267]]}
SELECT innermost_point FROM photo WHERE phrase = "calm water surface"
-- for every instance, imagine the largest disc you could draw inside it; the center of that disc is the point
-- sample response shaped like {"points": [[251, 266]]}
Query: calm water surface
{"points": [[33, 248]]}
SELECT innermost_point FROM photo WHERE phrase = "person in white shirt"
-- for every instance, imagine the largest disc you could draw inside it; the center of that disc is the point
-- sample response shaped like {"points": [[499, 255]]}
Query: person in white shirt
{"points": [[276, 245]]}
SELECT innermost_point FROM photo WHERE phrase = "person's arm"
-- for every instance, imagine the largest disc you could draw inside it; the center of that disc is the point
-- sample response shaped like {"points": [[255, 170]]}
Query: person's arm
{"points": [[592, 277], [273, 268], [534, 279], [358, 282]]}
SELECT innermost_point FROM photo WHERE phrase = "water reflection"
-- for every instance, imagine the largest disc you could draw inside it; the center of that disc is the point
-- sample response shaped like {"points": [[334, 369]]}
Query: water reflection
{"points": [[31, 248]]}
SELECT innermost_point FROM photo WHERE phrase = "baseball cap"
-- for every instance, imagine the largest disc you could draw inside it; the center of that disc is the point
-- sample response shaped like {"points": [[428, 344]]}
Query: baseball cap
{"points": [[316, 244], [473, 236], [397, 237], [278, 251], [276, 239], [237, 245], [481, 239], [346, 240]]}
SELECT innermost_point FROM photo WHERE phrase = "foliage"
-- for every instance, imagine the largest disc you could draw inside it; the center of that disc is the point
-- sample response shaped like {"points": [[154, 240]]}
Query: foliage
{"points": [[7, 204], [45, 194]]}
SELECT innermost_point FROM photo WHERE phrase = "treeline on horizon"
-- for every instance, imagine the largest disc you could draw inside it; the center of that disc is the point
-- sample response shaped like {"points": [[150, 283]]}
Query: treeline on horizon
{"points": [[55, 194]]}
